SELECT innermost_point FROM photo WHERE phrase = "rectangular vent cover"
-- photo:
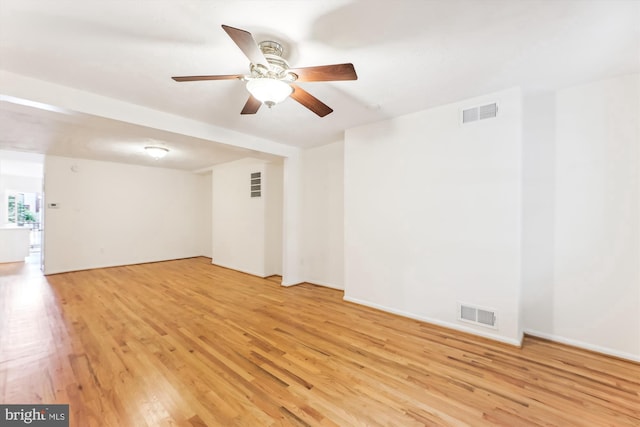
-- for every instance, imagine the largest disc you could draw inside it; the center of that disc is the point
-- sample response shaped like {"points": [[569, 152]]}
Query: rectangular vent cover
{"points": [[480, 113], [256, 184], [478, 316]]}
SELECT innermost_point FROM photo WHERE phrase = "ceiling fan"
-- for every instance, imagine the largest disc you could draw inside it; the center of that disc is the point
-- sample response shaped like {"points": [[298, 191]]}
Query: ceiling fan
{"points": [[270, 79]]}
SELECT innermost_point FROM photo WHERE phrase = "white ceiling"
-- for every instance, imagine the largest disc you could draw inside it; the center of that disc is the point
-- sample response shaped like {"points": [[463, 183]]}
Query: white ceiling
{"points": [[409, 56]]}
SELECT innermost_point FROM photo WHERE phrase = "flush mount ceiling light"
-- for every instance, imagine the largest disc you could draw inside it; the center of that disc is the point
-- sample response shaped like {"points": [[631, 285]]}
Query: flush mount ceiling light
{"points": [[269, 91], [156, 152]]}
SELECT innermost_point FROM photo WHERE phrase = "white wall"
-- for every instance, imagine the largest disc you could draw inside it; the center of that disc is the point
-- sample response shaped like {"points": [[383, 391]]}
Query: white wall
{"points": [[538, 202], [292, 239], [115, 214], [239, 232], [273, 187], [323, 215], [24, 184], [433, 215], [204, 212], [594, 301]]}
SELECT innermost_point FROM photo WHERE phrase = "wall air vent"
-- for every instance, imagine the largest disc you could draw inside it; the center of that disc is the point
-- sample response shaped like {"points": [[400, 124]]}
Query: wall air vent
{"points": [[256, 184], [470, 115], [488, 111], [478, 316], [480, 113]]}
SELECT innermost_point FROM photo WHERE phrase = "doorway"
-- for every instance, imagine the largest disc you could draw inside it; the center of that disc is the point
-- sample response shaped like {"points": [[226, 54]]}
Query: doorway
{"points": [[25, 210], [21, 203]]}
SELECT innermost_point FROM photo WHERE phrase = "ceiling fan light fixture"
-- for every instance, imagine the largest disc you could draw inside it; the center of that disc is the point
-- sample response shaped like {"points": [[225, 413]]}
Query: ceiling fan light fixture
{"points": [[156, 152], [269, 91]]}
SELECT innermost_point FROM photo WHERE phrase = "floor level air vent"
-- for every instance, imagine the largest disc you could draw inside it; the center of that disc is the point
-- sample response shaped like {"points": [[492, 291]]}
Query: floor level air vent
{"points": [[480, 113], [477, 315]]}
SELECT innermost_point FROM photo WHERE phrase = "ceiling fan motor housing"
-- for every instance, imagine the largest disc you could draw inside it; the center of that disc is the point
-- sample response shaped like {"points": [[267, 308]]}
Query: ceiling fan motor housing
{"points": [[278, 66]]}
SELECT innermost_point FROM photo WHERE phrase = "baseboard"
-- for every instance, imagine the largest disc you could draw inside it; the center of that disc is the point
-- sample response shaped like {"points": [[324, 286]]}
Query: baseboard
{"points": [[99, 266], [240, 270], [284, 282], [460, 328], [325, 284], [291, 283], [583, 345]]}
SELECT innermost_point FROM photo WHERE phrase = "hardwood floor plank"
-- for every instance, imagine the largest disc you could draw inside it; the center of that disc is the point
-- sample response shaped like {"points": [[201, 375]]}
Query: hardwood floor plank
{"points": [[186, 343]]}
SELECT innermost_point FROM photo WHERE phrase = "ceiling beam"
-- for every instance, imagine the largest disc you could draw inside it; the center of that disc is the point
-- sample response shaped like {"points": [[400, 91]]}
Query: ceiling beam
{"points": [[68, 100]]}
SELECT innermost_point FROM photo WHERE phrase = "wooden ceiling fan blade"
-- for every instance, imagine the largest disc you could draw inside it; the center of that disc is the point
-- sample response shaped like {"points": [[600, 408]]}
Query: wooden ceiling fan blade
{"points": [[247, 45], [198, 78], [252, 106], [310, 101], [325, 73]]}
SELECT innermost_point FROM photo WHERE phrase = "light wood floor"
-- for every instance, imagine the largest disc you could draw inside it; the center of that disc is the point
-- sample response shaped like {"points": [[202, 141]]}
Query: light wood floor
{"points": [[189, 344]]}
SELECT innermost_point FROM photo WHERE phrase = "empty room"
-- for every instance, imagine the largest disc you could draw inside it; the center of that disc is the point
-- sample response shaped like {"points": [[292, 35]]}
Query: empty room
{"points": [[320, 213]]}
